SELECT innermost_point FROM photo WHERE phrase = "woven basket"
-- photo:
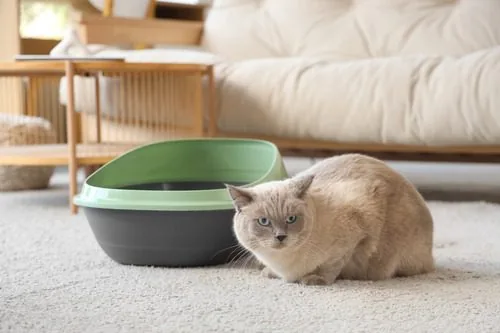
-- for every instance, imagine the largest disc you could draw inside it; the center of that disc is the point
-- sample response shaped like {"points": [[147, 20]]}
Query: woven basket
{"points": [[16, 130]]}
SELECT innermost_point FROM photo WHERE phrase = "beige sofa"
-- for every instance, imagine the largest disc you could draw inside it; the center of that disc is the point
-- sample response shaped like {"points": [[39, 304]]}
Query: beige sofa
{"points": [[354, 75]]}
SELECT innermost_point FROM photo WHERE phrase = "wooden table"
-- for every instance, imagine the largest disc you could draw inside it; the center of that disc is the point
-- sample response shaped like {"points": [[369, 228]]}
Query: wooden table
{"points": [[74, 153]]}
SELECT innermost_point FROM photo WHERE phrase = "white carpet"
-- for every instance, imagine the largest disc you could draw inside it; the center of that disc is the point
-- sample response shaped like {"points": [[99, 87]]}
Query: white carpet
{"points": [[55, 278]]}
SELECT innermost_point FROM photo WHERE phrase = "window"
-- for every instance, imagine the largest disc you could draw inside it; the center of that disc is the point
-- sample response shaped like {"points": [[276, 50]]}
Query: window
{"points": [[43, 19]]}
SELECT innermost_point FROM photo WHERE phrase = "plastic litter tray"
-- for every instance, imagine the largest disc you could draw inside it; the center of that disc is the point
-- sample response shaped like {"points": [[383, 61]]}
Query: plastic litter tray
{"points": [[165, 204]]}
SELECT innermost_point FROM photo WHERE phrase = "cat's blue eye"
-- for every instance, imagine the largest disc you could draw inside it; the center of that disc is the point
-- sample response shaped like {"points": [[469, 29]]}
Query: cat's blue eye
{"points": [[263, 221], [291, 219]]}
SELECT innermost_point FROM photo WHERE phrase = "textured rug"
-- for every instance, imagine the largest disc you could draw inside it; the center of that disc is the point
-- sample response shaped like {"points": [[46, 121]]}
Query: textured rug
{"points": [[55, 278]]}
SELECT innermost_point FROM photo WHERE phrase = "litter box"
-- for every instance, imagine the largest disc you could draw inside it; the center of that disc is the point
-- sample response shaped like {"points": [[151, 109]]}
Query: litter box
{"points": [[165, 203]]}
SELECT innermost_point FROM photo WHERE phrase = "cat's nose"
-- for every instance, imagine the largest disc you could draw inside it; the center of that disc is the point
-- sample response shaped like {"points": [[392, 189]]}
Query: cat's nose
{"points": [[281, 237]]}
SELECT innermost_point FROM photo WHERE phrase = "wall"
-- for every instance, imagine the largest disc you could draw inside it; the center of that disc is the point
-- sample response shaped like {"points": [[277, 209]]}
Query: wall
{"points": [[9, 33]]}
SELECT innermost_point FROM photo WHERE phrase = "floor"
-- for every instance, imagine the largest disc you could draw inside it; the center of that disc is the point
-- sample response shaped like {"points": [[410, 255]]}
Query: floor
{"points": [[55, 278]]}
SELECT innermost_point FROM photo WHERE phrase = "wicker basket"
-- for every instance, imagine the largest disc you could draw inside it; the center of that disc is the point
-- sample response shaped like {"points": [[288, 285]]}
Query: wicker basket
{"points": [[17, 130]]}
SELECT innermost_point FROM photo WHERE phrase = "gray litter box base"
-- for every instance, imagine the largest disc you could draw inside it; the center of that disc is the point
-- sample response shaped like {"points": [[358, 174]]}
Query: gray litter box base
{"points": [[180, 239]]}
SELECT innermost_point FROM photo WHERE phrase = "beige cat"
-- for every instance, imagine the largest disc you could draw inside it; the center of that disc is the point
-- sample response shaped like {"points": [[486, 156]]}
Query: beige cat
{"points": [[347, 217]]}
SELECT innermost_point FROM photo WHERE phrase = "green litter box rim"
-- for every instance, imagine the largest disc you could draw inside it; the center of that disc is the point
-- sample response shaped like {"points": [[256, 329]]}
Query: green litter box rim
{"points": [[98, 197]]}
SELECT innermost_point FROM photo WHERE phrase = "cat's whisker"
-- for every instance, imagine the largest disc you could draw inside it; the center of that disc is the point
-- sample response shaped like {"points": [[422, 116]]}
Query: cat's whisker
{"points": [[244, 256], [225, 249], [238, 257], [243, 264], [239, 248], [248, 261]]}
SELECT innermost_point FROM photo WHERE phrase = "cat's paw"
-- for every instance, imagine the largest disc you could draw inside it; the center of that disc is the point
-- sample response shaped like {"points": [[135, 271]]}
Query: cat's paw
{"points": [[267, 273], [313, 280]]}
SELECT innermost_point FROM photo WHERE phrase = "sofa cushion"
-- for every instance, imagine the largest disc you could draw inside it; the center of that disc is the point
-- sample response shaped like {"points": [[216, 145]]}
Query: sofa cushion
{"points": [[350, 29], [407, 100]]}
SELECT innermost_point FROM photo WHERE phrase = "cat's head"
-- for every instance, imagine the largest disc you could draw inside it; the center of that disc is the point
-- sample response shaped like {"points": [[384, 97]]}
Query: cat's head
{"points": [[273, 215]]}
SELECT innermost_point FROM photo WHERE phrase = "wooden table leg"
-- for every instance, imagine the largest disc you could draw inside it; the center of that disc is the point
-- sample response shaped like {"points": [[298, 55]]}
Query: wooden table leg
{"points": [[32, 100], [97, 108], [197, 95], [70, 114], [212, 98]]}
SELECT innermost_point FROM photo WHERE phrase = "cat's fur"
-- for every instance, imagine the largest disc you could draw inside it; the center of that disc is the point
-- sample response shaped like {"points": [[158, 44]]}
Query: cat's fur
{"points": [[357, 219]]}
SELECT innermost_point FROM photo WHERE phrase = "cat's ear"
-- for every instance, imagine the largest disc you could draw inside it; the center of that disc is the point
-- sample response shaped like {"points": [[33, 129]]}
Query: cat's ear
{"points": [[301, 184], [240, 196]]}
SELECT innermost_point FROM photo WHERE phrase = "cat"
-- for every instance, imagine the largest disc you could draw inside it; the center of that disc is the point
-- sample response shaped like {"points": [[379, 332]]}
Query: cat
{"points": [[349, 216]]}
